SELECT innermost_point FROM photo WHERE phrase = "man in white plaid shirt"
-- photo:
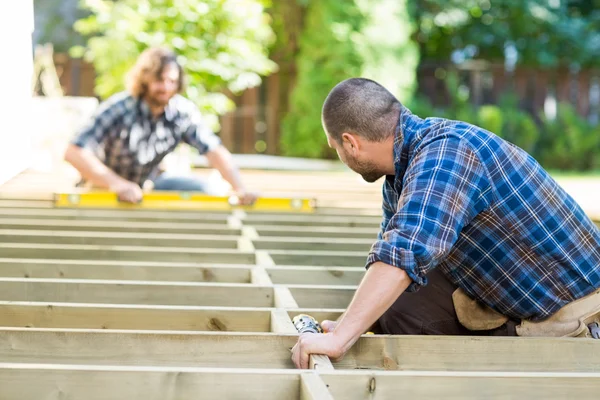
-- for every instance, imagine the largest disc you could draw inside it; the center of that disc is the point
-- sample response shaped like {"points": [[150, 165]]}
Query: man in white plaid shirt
{"points": [[133, 131]]}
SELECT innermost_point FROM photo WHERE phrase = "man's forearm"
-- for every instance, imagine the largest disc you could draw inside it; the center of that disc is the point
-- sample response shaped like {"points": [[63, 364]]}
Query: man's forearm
{"points": [[222, 160], [379, 289], [91, 168]]}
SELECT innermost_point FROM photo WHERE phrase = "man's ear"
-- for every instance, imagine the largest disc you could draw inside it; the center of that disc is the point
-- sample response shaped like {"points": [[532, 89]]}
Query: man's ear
{"points": [[350, 142]]}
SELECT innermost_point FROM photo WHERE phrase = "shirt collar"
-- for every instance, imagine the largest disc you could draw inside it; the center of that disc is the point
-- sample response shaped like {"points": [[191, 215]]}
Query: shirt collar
{"points": [[407, 127], [168, 114]]}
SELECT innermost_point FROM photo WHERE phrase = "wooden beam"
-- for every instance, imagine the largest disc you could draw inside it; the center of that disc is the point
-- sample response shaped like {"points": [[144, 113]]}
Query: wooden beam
{"points": [[148, 348], [129, 216], [133, 317], [266, 350], [467, 353], [284, 298], [309, 296], [56, 382], [321, 258], [119, 239], [281, 322], [125, 253], [316, 232], [95, 382], [124, 270], [258, 220], [259, 276], [313, 388], [263, 258], [135, 292], [459, 386], [313, 244], [309, 275], [115, 225]]}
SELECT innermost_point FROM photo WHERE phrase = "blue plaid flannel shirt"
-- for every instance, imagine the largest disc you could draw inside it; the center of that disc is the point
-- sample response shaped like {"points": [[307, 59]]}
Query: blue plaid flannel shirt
{"points": [[486, 213], [131, 142]]}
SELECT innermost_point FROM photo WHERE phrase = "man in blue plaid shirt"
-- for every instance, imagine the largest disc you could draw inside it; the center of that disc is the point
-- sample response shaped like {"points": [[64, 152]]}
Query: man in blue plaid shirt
{"points": [[476, 238], [120, 149]]}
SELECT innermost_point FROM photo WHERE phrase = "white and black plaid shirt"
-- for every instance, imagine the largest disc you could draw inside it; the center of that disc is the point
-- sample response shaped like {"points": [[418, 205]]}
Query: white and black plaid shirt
{"points": [[132, 143]]}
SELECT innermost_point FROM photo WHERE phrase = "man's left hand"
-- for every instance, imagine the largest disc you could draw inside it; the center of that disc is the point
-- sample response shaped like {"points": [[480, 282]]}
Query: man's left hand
{"points": [[316, 343]]}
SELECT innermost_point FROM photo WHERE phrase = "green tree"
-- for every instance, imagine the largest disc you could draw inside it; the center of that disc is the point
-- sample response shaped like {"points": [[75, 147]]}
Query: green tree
{"points": [[222, 44], [340, 40], [543, 33]]}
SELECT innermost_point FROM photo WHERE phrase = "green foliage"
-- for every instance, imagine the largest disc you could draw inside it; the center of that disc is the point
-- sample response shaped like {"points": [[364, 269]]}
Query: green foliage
{"points": [[340, 40], [222, 44], [569, 142], [544, 33], [327, 55]]}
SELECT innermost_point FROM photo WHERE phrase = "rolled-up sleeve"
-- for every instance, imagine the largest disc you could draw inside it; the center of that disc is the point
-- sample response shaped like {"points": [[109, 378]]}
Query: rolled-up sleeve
{"points": [[444, 188]]}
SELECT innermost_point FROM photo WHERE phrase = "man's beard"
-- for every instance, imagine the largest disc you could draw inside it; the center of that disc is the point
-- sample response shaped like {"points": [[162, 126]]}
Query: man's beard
{"points": [[369, 172], [156, 101]]}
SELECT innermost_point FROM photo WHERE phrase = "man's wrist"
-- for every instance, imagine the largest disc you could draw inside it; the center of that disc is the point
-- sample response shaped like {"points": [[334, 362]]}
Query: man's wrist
{"points": [[345, 338]]}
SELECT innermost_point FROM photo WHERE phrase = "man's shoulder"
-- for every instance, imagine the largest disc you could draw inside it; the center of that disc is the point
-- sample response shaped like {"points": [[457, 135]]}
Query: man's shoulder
{"points": [[182, 106], [117, 103]]}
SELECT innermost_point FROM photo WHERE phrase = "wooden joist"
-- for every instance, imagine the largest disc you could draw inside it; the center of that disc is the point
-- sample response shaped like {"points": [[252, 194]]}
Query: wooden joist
{"points": [[268, 350], [56, 381]]}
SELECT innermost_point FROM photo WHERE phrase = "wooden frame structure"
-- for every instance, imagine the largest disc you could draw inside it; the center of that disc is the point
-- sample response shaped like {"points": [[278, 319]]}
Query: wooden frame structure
{"points": [[143, 304]]}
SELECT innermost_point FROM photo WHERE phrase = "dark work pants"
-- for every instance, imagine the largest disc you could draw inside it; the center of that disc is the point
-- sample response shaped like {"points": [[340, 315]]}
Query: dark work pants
{"points": [[430, 311]]}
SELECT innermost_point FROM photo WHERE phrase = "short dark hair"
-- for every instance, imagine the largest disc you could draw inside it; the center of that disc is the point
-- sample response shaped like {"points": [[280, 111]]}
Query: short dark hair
{"points": [[360, 106]]}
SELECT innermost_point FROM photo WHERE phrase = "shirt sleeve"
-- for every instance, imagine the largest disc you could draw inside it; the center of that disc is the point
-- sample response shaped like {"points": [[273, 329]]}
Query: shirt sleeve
{"points": [[198, 134], [98, 127], [444, 188]]}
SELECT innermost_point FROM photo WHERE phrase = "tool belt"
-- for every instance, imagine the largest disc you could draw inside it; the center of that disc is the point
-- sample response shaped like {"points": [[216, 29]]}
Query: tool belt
{"points": [[580, 318]]}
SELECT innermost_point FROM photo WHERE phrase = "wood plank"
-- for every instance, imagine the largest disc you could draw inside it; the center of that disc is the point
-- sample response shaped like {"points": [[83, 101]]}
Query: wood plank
{"points": [[316, 232], [148, 348], [313, 244], [281, 322], [133, 317], [135, 292], [259, 276], [266, 350], [258, 220], [214, 240], [123, 270], [308, 296], [283, 298], [129, 215], [439, 385], [125, 253], [469, 353], [55, 382], [309, 275], [59, 381], [115, 225], [320, 258], [313, 388]]}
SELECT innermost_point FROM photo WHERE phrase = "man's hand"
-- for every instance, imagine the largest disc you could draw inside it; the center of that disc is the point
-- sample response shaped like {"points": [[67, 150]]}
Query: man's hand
{"points": [[328, 326], [316, 343], [246, 198], [128, 191]]}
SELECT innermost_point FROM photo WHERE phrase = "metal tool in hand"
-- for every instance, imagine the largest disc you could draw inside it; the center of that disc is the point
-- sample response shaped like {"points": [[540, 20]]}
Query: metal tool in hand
{"points": [[306, 324]]}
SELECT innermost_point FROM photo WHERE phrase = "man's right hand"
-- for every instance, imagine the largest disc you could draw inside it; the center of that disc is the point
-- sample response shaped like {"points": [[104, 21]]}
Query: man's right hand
{"points": [[328, 326], [128, 191]]}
